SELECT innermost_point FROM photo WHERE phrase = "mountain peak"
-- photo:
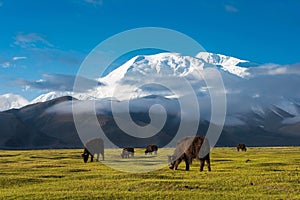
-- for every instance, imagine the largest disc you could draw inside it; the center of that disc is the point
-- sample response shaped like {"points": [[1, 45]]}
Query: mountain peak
{"points": [[9, 101], [50, 96], [144, 67], [227, 63], [174, 64]]}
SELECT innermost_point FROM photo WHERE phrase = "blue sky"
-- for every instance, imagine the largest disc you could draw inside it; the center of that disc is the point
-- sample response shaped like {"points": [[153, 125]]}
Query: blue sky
{"points": [[50, 38]]}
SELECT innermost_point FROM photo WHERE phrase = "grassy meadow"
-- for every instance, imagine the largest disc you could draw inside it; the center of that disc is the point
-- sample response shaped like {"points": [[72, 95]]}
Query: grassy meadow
{"points": [[259, 173]]}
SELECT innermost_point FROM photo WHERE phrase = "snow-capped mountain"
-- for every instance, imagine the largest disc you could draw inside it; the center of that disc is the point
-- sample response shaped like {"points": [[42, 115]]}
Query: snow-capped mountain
{"points": [[49, 96], [9, 101], [153, 68], [164, 64], [227, 63], [174, 64], [149, 67], [241, 86], [140, 68], [262, 101], [123, 82]]}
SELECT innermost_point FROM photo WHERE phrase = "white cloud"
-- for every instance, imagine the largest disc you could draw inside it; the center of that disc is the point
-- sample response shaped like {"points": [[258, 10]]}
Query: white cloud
{"points": [[19, 58], [94, 2], [256, 96], [26, 88], [30, 40], [42, 49], [230, 8], [11, 62], [58, 82], [6, 64], [273, 69], [281, 70]]}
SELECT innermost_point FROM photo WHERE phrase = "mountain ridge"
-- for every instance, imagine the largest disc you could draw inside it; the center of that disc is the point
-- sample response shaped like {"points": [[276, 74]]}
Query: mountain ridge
{"points": [[37, 127]]}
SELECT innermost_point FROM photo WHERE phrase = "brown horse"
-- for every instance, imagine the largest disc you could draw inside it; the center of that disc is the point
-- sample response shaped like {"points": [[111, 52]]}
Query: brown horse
{"points": [[189, 148]]}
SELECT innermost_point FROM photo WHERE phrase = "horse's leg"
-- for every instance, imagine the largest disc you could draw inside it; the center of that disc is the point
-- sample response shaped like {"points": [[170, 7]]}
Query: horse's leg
{"points": [[92, 158], [187, 164], [177, 162], [187, 161], [208, 164], [201, 165]]}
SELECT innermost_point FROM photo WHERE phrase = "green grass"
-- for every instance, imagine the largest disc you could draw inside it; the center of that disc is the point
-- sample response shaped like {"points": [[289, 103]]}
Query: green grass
{"points": [[259, 173]]}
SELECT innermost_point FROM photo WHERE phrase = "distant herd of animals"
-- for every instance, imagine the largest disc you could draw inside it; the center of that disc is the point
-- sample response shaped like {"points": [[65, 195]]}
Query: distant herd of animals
{"points": [[186, 150], [129, 151]]}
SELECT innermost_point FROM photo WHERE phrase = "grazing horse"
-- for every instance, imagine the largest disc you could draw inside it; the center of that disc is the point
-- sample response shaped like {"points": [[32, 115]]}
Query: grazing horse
{"points": [[151, 148], [242, 147], [187, 149], [92, 147], [127, 152]]}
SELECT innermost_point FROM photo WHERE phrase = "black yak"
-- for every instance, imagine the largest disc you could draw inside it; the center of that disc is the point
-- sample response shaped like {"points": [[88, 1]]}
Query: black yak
{"points": [[127, 152], [241, 147], [189, 148], [92, 147], [151, 148]]}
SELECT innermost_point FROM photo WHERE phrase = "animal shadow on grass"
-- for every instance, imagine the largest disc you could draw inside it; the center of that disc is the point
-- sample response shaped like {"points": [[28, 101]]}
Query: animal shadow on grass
{"points": [[271, 164], [79, 170], [222, 160], [9, 155], [55, 157], [38, 157], [52, 176], [20, 182], [48, 166]]}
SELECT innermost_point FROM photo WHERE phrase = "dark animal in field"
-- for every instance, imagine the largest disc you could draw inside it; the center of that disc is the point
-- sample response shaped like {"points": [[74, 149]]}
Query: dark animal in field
{"points": [[151, 148], [187, 149], [92, 147], [241, 147], [127, 152]]}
